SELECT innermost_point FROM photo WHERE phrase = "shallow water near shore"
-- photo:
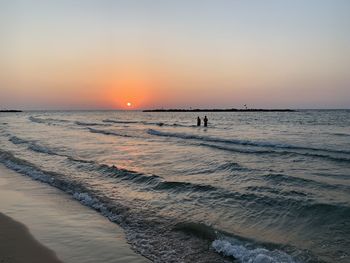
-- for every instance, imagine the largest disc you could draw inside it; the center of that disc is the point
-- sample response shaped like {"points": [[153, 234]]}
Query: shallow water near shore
{"points": [[75, 233], [252, 187]]}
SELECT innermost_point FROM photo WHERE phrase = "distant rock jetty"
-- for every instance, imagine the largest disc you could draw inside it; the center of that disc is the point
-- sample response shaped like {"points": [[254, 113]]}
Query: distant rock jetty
{"points": [[11, 111], [219, 110]]}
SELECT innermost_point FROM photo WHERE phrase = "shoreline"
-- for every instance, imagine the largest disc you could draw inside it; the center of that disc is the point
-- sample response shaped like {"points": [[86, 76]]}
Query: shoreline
{"points": [[18, 245], [57, 223]]}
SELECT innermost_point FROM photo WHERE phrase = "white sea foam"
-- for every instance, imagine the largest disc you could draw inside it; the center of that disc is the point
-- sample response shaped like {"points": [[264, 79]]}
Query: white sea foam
{"points": [[94, 203], [245, 254], [26, 168]]}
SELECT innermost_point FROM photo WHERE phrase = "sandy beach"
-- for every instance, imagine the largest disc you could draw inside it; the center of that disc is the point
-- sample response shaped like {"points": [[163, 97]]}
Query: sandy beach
{"points": [[39, 223], [18, 245]]}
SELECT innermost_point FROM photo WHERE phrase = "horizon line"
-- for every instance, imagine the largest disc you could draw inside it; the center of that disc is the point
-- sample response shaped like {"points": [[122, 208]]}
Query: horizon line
{"points": [[150, 109]]}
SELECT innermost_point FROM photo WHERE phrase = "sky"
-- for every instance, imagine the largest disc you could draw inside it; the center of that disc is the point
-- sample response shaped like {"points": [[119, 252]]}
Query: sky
{"points": [[103, 54]]}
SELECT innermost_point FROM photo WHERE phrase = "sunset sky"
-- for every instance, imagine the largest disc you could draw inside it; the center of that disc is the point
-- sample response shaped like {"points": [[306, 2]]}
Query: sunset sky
{"points": [[102, 54]]}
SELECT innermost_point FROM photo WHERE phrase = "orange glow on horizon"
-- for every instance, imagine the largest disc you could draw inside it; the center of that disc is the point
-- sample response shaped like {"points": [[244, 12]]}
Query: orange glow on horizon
{"points": [[132, 89]]}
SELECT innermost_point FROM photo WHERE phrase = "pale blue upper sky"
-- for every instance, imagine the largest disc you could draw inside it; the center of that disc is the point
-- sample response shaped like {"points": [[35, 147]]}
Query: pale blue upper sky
{"points": [[219, 53]]}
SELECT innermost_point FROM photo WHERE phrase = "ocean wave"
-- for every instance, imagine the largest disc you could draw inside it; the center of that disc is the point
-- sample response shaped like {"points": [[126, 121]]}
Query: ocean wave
{"points": [[74, 159], [200, 230], [214, 168], [183, 187], [279, 178], [240, 249], [41, 149], [248, 254], [276, 151], [128, 175], [140, 232], [108, 132], [289, 200], [157, 183], [323, 156], [272, 148], [60, 181], [232, 167], [37, 120], [340, 134], [148, 123], [17, 140], [49, 121], [283, 178], [24, 167], [80, 123], [276, 191], [255, 200], [151, 239], [31, 145], [121, 122], [239, 142], [153, 181], [237, 150]]}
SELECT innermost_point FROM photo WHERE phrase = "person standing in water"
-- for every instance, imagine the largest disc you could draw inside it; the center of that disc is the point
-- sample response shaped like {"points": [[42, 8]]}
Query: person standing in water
{"points": [[205, 121], [198, 121]]}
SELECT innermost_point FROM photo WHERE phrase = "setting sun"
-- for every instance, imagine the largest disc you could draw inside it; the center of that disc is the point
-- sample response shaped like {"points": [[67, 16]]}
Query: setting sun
{"points": [[185, 127]]}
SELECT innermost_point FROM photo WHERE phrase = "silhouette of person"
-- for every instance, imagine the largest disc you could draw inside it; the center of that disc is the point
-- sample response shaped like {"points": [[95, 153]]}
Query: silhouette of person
{"points": [[205, 121], [198, 121]]}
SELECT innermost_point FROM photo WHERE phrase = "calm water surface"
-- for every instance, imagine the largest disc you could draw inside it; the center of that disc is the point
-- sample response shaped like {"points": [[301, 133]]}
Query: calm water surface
{"points": [[252, 187]]}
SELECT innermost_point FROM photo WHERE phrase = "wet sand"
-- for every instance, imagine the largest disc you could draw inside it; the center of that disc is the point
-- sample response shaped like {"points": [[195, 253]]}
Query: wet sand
{"points": [[17, 245], [41, 224]]}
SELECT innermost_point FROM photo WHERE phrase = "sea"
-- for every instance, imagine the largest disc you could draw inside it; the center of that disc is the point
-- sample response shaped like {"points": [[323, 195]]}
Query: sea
{"points": [[252, 187]]}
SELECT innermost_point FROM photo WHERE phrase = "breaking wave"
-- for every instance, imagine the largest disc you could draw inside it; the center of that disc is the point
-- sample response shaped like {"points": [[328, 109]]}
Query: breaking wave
{"points": [[250, 254], [140, 231], [153, 240]]}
